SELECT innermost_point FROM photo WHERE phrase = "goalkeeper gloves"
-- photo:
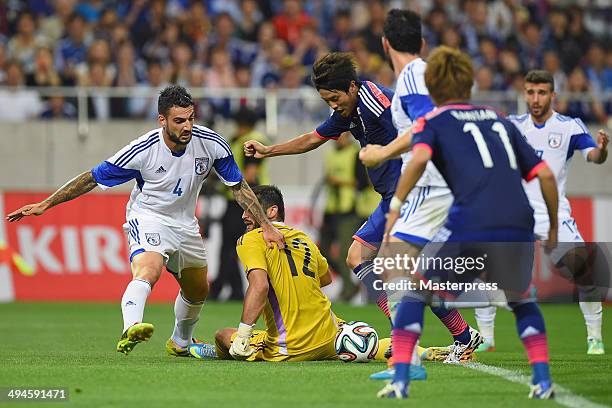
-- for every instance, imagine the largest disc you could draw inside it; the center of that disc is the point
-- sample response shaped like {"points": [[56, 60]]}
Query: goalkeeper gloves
{"points": [[241, 346]]}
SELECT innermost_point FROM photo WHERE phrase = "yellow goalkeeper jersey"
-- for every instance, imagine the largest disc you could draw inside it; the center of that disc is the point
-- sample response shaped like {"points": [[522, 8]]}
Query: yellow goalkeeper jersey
{"points": [[297, 314]]}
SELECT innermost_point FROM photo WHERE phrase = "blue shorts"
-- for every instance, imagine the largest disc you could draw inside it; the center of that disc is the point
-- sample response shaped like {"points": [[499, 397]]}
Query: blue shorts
{"points": [[500, 257], [371, 233]]}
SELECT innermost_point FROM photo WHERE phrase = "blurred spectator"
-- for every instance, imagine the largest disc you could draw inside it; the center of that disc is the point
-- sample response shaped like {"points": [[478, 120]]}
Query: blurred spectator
{"points": [[250, 20], [266, 68], [203, 108], [23, 45], [436, 21], [293, 110], [197, 27], [484, 80], [309, 47], [146, 19], [53, 26], [552, 64], [588, 111], [44, 73], [598, 74], [181, 58], [290, 21], [254, 172], [220, 75], [374, 30], [241, 52], [72, 50], [451, 38], [532, 48], [99, 105], [146, 106], [17, 104], [339, 40], [57, 108], [105, 27], [160, 45], [476, 25], [130, 70], [2, 63]]}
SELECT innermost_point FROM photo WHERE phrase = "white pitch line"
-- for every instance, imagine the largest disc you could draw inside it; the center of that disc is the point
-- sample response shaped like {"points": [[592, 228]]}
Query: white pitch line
{"points": [[563, 396]]}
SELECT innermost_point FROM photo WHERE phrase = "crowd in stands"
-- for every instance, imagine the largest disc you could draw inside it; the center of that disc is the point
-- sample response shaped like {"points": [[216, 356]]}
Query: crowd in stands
{"points": [[273, 43]]}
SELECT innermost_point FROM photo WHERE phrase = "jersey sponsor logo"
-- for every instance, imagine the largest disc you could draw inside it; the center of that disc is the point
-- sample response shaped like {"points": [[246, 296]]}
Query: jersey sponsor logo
{"points": [[153, 238], [201, 165], [160, 170], [554, 140]]}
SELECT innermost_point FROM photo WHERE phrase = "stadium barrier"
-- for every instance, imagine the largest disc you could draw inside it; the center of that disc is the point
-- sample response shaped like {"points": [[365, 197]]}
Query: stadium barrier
{"points": [[79, 250]]}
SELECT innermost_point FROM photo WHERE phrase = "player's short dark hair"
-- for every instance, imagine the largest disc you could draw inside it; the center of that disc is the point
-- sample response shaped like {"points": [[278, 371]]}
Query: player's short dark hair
{"points": [[402, 29], [173, 95], [539, 76], [269, 195], [334, 71]]}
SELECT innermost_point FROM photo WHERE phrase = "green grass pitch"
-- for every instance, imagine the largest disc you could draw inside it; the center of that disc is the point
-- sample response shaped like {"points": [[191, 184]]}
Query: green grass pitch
{"points": [[73, 346]]}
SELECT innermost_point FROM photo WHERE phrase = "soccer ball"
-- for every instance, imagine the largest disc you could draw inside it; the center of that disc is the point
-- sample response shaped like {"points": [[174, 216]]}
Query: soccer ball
{"points": [[356, 341]]}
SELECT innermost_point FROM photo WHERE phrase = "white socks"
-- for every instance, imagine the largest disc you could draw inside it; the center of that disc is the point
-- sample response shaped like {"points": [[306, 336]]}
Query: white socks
{"points": [[187, 315], [592, 317], [485, 317], [133, 302]]}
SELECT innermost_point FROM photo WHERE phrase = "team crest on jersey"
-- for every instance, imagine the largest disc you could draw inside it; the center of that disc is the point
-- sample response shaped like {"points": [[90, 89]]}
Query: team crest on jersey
{"points": [[153, 238], [554, 140], [201, 165]]}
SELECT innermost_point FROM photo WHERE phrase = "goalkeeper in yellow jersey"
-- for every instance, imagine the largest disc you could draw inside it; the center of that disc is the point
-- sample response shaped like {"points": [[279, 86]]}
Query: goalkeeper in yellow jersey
{"points": [[284, 285]]}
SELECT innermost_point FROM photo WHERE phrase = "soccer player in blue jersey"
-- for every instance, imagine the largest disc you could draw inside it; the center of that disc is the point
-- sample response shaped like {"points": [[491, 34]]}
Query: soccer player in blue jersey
{"points": [[425, 209], [363, 109], [169, 165], [483, 158]]}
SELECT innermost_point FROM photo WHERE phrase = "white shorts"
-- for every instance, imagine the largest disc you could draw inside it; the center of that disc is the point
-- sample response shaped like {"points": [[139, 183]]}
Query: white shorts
{"points": [[568, 238], [423, 214], [181, 247]]}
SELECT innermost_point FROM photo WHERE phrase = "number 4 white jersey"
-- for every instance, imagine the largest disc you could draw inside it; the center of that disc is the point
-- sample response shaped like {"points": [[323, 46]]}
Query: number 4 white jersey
{"points": [[555, 142], [167, 184]]}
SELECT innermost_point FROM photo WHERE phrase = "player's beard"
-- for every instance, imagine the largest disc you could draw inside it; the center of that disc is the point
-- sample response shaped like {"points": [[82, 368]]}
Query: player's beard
{"points": [[174, 138], [544, 110]]}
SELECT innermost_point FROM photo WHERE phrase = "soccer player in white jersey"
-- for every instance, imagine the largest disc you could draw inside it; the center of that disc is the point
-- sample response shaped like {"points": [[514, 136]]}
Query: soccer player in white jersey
{"points": [[169, 165], [426, 208], [555, 138]]}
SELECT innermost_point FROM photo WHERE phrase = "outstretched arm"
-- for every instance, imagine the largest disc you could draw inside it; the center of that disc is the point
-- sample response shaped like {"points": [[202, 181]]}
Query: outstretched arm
{"points": [[81, 184], [373, 155], [248, 201], [297, 145], [600, 154]]}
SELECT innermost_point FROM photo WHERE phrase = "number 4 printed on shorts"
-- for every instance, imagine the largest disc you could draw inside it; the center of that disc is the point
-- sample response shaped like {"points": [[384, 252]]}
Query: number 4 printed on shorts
{"points": [[177, 189]]}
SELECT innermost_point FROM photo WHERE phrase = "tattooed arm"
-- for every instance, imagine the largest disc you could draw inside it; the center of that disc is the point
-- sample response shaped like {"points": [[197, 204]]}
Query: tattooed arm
{"points": [[76, 187], [249, 202]]}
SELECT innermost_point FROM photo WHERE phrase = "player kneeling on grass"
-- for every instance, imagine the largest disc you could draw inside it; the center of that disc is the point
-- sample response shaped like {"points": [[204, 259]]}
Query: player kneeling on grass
{"points": [[286, 286]]}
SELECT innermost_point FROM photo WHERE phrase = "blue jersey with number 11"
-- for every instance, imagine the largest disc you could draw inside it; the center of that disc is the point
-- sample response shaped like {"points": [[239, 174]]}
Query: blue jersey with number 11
{"points": [[483, 158]]}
